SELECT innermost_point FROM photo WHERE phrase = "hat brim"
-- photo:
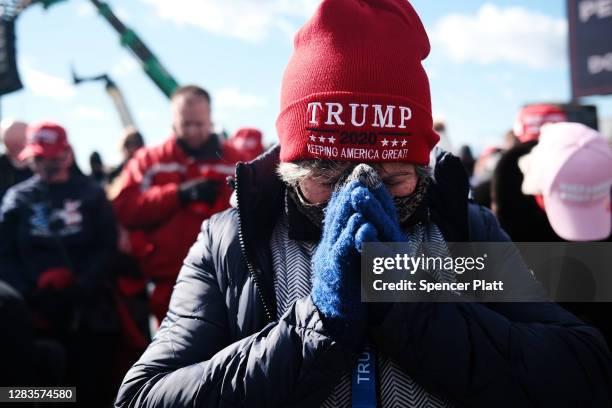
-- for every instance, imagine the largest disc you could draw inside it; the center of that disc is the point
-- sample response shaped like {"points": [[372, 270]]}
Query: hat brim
{"points": [[591, 222], [29, 152], [36, 150]]}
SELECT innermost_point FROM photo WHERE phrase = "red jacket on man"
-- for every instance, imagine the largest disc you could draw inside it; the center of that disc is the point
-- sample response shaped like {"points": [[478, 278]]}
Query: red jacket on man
{"points": [[161, 228]]}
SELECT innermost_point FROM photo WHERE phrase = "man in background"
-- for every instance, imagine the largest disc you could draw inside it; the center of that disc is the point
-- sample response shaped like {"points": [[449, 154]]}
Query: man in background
{"points": [[58, 240], [166, 192], [12, 170]]}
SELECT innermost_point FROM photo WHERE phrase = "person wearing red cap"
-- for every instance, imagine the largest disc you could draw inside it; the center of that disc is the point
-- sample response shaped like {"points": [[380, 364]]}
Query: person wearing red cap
{"points": [[57, 240], [531, 118], [266, 310], [165, 192], [519, 214], [248, 141]]}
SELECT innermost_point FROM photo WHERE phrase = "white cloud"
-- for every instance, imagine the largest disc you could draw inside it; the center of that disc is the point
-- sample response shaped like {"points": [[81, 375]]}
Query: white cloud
{"points": [[122, 14], [513, 34], [146, 114], [248, 20], [85, 9], [232, 98], [46, 85], [124, 67], [88, 113], [300, 8]]}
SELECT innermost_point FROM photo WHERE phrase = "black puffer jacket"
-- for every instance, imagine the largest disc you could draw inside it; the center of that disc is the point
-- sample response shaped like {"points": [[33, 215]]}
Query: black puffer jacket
{"points": [[518, 214], [220, 344]]}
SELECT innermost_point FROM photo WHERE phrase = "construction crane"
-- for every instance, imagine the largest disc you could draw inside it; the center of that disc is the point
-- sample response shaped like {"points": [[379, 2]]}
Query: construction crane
{"points": [[149, 62], [115, 94], [129, 39], [9, 82]]}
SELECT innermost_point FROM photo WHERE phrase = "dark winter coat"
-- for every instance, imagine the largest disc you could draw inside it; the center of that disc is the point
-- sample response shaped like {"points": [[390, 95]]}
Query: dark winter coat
{"points": [[10, 175], [220, 344], [67, 225]]}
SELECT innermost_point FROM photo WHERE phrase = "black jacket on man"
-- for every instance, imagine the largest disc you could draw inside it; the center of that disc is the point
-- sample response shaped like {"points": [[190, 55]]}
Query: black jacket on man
{"points": [[220, 345], [10, 175], [45, 226]]}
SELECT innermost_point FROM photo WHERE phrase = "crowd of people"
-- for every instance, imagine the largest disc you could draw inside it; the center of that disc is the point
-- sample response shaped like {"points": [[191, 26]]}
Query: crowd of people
{"points": [[207, 272], [88, 260]]}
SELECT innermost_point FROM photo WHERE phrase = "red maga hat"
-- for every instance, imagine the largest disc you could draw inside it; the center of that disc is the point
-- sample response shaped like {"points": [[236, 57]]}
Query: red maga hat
{"points": [[45, 139]]}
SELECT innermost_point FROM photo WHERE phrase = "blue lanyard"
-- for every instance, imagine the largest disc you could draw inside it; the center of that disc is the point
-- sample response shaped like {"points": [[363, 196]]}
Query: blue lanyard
{"points": [[363, 383]]}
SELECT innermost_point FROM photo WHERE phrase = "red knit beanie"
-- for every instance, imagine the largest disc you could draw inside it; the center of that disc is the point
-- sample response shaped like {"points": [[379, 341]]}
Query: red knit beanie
{"points": [[355, 88]]}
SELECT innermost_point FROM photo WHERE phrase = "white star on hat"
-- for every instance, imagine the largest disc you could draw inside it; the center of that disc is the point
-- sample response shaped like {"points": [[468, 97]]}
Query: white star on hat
{"points": [[322, 139], [313, 138], [404, 142], [332, 140], [385, 142], [394, 143]]}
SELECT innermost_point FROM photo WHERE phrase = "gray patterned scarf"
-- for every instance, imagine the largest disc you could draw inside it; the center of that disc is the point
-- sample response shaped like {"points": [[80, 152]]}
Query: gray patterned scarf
{"points": [[292, 280]]}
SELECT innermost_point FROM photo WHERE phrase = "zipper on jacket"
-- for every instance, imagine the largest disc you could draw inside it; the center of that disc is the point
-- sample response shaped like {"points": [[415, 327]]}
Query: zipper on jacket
{"points": [[250, 266]]}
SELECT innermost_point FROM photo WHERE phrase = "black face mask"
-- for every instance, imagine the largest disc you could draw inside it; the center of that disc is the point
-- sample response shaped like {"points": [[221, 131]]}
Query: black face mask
{"points": [[314, 212], [407, 205], [368, 176]]}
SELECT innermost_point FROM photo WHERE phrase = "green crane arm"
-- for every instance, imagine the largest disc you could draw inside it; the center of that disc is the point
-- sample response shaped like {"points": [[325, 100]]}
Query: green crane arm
{"points": [[151, 65], [129, 39]]}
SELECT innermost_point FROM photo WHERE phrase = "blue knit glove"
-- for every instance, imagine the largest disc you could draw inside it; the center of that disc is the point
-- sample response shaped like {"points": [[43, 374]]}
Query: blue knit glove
{"points": [[378, 209], [336, 266], [382, 225]]}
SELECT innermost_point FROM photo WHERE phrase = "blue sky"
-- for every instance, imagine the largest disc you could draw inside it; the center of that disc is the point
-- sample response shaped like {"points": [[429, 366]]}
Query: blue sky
{"points": [[488, 58]]}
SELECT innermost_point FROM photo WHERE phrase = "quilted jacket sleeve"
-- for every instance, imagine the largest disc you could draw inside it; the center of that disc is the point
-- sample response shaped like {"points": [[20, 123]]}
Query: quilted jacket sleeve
{"points": [[194, 362]]}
